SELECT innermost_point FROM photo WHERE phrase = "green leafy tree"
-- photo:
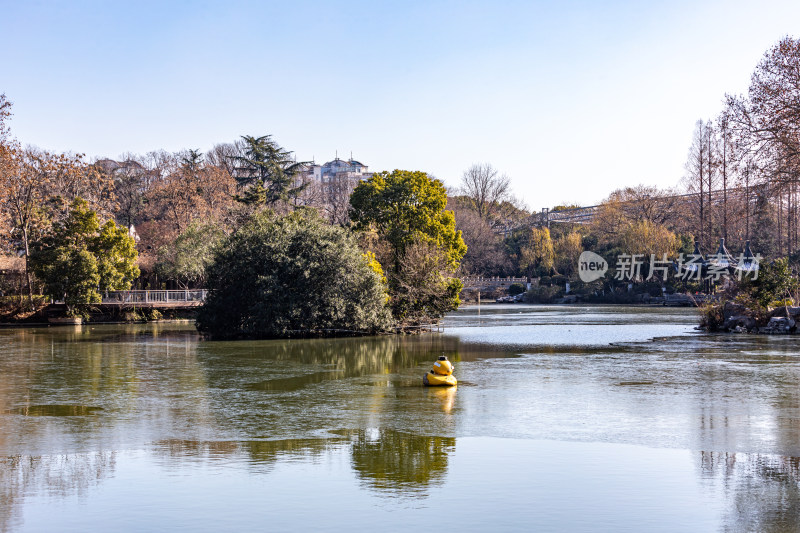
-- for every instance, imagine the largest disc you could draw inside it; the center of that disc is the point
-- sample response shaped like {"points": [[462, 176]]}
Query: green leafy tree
{"points": [[115, 251], [407, 207], [255, 195], [775, 282], [79, 258], [267, 168], [187, 259], [290, 276], [407, 210]]}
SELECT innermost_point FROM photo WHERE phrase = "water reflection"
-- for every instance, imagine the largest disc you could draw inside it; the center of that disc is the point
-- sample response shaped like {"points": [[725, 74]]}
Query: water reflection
{"points": [[59, 476], [311, 388], [763, 491], [103, 385], [398, 462], [260, 454], [446, 397], [55, 410], [354, 410], [385, 460]]}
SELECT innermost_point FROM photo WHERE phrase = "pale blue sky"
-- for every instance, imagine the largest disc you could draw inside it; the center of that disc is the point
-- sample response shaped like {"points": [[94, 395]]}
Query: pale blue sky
{"points": [[571, 100]]}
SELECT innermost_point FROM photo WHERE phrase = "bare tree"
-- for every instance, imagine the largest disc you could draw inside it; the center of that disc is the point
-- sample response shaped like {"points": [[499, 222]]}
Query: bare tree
{"points": [[24, 180], [766, 127], [224, 155], [486, 188], [631, 204], [5, 114], [485, 251], [725, 158], [336, 198], [71, 178], [768, 119], [130, 186], [700, 177]]}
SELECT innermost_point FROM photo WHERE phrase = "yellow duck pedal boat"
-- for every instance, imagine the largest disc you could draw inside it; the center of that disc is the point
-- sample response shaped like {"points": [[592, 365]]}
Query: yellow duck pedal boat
{"points": [[441, 374]]}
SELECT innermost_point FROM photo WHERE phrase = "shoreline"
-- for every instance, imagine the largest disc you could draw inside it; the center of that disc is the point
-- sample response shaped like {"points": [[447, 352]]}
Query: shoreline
{"points": [[584, 304], [24, 324]]}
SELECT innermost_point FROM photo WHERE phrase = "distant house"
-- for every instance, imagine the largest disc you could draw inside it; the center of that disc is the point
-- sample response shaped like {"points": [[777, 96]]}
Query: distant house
{"points": [[337, 170], [111, 167]]}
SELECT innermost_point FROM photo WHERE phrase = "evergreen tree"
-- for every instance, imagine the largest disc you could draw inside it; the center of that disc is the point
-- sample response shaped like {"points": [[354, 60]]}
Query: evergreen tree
{"points": [[269, 169], [80, 258]]}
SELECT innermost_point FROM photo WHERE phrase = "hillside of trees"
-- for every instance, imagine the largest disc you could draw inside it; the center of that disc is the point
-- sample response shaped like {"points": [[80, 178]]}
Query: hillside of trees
{"points": [[740, 184], [178, 220]]}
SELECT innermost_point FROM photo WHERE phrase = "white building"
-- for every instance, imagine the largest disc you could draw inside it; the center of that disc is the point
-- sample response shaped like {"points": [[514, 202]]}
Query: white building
{"points": [[337, 170]]}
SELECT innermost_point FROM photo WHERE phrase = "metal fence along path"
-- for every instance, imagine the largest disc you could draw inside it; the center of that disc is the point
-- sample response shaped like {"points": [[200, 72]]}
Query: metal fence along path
{"points": [[160, 298]]}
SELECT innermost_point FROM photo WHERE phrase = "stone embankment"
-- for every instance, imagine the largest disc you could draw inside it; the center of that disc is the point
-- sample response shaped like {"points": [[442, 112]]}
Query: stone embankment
{"points": [[779, 321]]}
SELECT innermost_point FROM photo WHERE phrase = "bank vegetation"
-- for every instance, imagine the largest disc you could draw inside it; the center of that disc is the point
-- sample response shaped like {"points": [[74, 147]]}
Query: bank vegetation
{"points": [[184, 209]]}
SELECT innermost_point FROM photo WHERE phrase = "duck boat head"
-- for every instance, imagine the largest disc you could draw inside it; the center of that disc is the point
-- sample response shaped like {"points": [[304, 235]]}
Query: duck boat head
{"points": [[441, 374]]}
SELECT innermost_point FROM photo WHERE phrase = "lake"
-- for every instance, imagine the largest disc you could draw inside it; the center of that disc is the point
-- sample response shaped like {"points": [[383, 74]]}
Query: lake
{"points": [[566, 418]]}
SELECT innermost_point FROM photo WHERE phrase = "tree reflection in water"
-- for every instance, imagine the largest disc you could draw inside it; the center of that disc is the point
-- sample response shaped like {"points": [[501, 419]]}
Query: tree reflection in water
{"points": [[308, 387], [384, 459], [260, 456], [762, 491], [358, 405], [58, 476], [214, 401], [387, 461], [400, 463]]}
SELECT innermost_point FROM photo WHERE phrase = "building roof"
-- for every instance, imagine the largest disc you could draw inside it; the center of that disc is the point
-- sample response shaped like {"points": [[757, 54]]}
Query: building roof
{"points": [[342, 163], [109, 165]]}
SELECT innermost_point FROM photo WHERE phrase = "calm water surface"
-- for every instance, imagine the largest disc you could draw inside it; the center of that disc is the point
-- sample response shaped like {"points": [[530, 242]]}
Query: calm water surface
{"points": [[565, 419]]}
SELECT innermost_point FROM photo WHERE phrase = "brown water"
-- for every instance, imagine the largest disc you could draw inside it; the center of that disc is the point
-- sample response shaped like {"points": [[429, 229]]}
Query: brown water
{"points": [[565, 419]]}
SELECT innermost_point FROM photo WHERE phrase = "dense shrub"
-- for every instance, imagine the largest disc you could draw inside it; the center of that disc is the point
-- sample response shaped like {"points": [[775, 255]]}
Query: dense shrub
{"points": [[543, 295], [711, 317], [775, 282], [292, 276], [516, 288]]}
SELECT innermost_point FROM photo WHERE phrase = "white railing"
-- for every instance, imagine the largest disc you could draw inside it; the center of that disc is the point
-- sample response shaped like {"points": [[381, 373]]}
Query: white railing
{"points": [[471, 280], [155, 297]]}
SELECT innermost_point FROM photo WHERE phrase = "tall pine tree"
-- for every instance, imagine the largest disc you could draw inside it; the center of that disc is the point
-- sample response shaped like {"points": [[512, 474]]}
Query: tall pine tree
{"points": [[267, 171]]}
